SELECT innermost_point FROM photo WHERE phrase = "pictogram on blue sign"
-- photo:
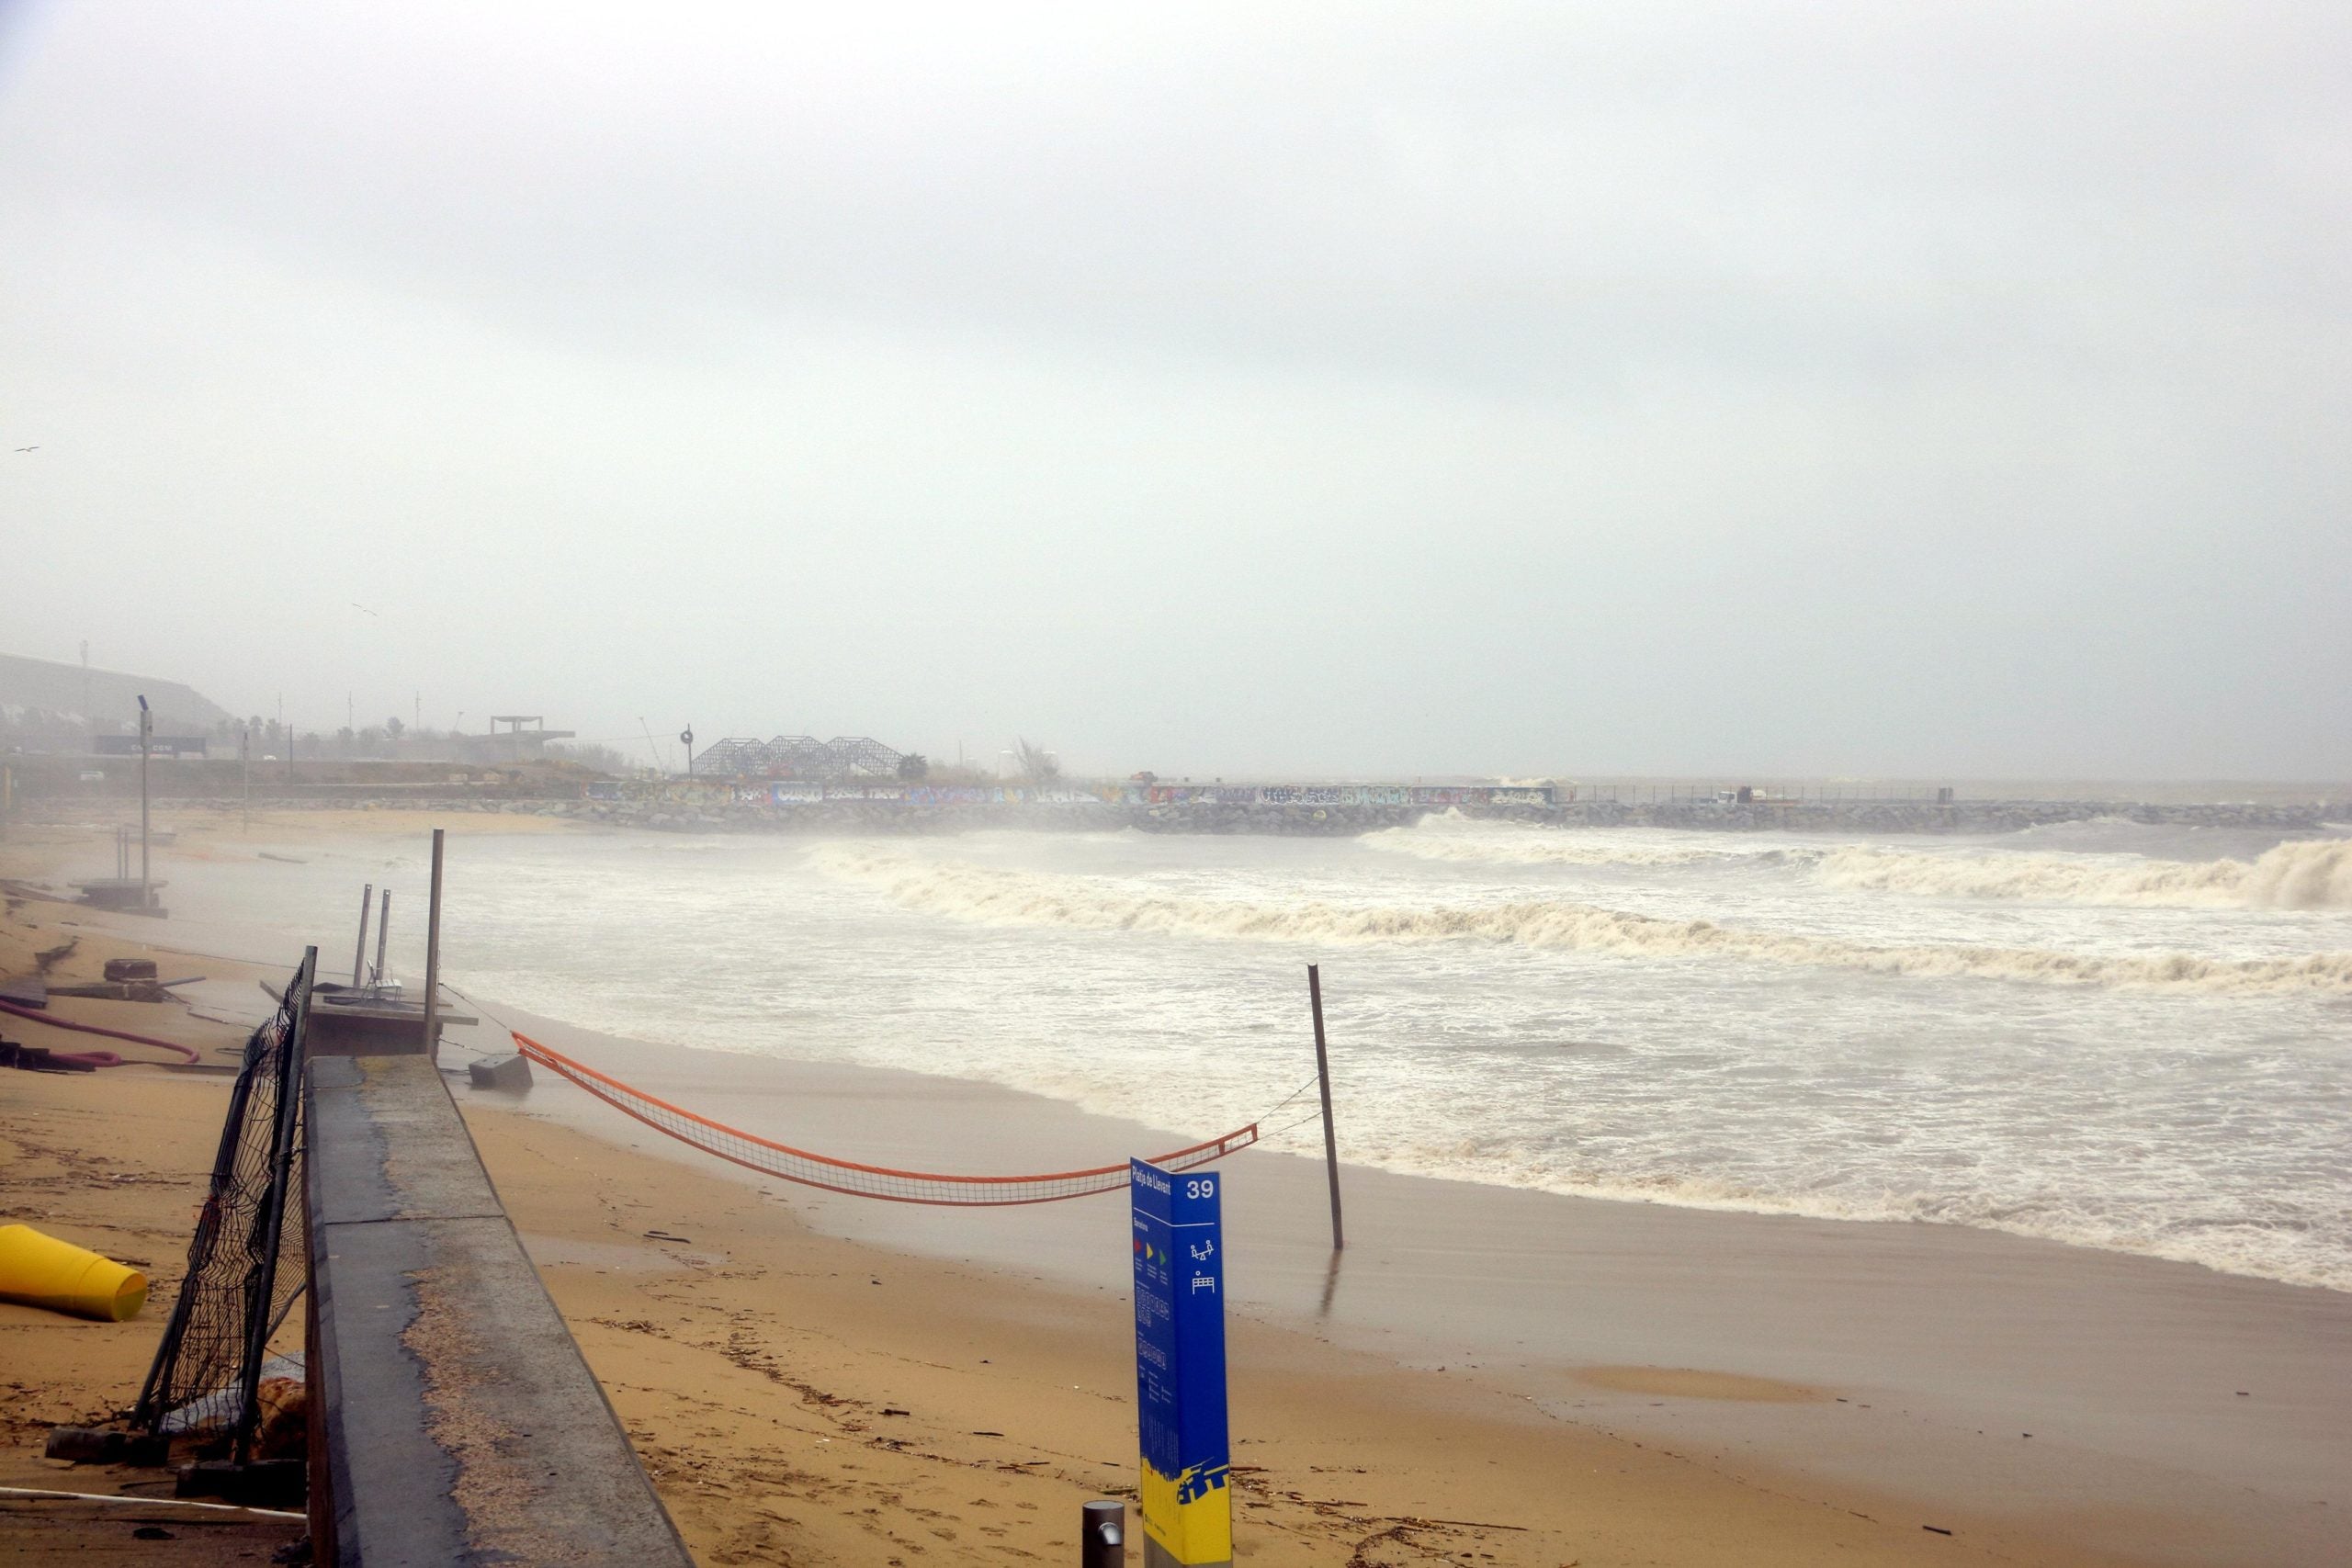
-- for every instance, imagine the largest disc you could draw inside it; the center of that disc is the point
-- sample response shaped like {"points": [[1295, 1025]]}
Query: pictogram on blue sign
{"points": [[1180, 1367]]}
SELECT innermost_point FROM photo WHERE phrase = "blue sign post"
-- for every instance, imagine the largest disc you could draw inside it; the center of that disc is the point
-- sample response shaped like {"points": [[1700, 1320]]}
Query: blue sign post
{"points": [[1180, 1367]]}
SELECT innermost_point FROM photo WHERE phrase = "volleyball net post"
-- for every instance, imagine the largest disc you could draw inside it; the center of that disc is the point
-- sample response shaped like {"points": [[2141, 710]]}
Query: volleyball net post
{"points": [[1323, 1082]]}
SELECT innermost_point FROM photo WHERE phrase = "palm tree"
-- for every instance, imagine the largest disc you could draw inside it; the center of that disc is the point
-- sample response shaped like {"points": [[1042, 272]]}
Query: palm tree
{"points": [[1037, 764]]}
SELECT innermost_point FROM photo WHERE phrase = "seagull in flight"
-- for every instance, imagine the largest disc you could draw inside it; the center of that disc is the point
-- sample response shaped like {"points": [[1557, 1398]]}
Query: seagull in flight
{"points": [[35, 449], [357, 606]]}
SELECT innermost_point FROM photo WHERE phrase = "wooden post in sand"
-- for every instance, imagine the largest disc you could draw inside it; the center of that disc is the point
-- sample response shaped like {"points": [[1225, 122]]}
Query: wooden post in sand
{"points": [[1323, 1079], [433, 958]]}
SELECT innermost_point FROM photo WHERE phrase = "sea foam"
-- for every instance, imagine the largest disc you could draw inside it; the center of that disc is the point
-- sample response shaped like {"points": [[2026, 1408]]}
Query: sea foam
{"points": [[1452, 836], [992, 896], [2306, 875], [2310, 874]]}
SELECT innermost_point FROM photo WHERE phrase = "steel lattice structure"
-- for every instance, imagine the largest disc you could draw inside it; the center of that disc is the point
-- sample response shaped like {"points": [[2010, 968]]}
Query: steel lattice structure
{"points": [[863, 754], [799, 756], [734, 756]]}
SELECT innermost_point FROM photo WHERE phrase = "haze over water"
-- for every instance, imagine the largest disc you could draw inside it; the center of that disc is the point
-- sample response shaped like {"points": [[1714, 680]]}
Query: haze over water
{"points": [[2106, 1034]]}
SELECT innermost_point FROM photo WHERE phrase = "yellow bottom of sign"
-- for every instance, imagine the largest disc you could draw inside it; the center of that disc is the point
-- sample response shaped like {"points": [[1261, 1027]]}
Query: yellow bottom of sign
{"points": [[1189, 1518]]}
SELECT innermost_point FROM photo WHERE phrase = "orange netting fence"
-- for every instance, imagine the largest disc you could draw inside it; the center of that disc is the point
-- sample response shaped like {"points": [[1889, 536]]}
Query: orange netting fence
{"points": [[789, 1164]]}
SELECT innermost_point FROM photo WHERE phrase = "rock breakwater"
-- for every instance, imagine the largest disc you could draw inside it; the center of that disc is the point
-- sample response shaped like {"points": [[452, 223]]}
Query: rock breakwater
{"points": [[1969, 817], [719, 810]]}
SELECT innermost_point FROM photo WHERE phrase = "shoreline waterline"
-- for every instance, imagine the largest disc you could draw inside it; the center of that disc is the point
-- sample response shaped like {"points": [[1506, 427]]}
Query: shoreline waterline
{"points": [[2208, 1127], [1932, 1346], [1934, 1337]]}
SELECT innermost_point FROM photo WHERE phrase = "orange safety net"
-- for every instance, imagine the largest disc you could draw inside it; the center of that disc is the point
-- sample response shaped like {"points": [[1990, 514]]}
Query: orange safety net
{"points": [[787, 1163]]}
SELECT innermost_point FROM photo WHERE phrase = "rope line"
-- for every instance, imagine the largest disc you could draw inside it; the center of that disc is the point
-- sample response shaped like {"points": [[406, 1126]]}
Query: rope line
{"points": [[1294, 1126], [1288, 1098], [102, 1058], [789, 1164], [481, 1006]]}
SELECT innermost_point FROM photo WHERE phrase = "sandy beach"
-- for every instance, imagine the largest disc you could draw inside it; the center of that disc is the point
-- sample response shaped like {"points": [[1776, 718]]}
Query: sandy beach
{"points": [[1490, 1375], [802, 1399], [1670, 663]]}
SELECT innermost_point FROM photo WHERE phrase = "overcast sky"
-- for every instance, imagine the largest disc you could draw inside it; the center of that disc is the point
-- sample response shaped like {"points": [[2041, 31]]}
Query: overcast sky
{"points": [[1371, 390]]}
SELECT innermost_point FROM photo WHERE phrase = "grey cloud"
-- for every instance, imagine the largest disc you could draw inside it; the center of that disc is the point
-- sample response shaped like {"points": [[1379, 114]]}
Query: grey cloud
{"points": [[1393, 387]]}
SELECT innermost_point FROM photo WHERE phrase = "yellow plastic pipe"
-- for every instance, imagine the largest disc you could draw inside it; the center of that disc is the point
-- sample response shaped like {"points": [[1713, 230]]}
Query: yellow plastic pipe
{"points": [[42, 1271]]}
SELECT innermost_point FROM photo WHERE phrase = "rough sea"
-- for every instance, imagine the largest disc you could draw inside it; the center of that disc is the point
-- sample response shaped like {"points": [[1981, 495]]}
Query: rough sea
{"points": [[2103, 1033]]}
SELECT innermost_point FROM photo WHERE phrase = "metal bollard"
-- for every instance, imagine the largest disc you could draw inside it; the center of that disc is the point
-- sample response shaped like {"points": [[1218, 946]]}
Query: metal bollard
{"points": [[1102, 1535]]}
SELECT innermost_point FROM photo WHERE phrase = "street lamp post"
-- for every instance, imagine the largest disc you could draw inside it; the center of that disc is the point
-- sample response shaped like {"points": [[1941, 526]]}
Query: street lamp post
{"points": [[146, 728]]}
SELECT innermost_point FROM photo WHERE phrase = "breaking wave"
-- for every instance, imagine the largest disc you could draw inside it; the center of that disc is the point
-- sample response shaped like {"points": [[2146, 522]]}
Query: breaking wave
{"points": [[2310, 874], [2307, 875], [1452, 836], [989, 895]]}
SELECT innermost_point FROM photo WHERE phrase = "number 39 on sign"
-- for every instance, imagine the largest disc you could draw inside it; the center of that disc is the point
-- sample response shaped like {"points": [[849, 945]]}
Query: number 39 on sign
{"points": [[1186, 1495]]}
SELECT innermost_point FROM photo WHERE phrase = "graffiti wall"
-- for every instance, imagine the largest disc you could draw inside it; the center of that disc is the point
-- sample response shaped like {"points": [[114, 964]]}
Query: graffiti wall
{"points": [[714, 793], [1331, 794]]}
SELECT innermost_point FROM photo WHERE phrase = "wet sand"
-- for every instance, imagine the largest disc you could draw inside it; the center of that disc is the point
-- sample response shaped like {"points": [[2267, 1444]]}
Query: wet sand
{"points": [[799, 1398], [1629, 1383], [1839, 1361]]}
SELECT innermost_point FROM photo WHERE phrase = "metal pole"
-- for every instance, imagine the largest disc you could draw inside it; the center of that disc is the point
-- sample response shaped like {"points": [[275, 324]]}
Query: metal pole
{"points": [[433, 958], [1323, 1079], [1103, 1534], [383, 931], [146, 895], [245, 774], [359, 954]]}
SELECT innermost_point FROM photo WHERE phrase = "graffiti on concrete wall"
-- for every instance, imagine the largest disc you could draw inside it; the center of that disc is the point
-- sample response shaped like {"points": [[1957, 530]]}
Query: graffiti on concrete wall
{"points": [[784, 796]]}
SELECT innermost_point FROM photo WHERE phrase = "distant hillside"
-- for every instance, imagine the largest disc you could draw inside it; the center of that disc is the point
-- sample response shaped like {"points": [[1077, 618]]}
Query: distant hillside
{"points": [[39, 694]]}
